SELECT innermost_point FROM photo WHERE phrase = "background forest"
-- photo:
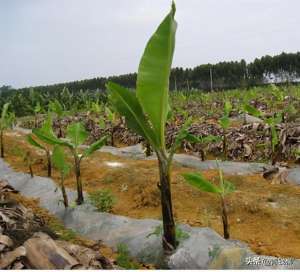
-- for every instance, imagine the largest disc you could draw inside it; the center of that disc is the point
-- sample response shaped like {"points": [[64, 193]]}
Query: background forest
{"points": [[283, 68]]}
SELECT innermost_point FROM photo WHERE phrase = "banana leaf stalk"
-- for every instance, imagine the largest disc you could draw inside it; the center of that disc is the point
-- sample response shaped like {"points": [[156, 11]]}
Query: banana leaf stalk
{"points": [[60, 163]]}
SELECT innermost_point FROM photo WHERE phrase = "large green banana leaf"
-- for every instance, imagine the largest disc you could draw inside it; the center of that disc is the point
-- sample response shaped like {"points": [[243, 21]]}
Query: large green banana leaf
{"points": [[126, 103], [33, 142], [95, 146], [154, 72], [48, 138], [59, 160]]}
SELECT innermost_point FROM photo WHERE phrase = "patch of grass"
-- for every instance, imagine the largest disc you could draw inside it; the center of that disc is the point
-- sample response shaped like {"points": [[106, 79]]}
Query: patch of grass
{"points": [[62, 233], [123, 259], [180, 234], [103, 200], [214, 252], [157, 231]]}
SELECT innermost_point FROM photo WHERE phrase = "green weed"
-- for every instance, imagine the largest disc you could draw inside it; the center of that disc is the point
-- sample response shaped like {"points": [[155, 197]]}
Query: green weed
{"points": [[180, 234], [103, 200], [123, 259]]}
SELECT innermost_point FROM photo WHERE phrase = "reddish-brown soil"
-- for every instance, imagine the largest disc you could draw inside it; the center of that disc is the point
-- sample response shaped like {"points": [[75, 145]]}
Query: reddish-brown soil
{"points": [[264, 215]]}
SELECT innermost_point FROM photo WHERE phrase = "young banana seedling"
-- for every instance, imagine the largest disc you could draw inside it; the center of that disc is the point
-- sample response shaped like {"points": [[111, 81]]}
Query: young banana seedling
{"points": [[247, 108], [112, 118], [224, 188], [203, 141], [96, 116], [28, 160], [146, 111], [274, 141], [31, 140], [59, 162], [96, 107], [224, 122], [272, 122], [57, 108], [37, 110], [76, 136]]}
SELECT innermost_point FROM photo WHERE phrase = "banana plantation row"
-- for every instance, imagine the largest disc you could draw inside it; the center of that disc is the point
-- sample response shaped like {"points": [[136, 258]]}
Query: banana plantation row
{"points": [[193, 121]]}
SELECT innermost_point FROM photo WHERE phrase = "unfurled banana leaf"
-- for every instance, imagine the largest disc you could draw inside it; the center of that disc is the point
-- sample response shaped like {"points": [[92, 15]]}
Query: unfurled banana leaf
{"points": [[252, 111], [127, 105], [56, 107], [95, 146], [153, 75], [198, 181], [59, 160], [33, 142], [77, 133]]}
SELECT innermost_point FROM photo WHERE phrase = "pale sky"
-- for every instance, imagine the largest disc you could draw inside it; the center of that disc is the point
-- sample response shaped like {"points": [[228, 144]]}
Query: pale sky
{"points": [[53, 41]]}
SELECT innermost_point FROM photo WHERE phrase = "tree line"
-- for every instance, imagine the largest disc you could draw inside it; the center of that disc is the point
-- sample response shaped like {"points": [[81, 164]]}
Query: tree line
{"points": [[223, 75]]}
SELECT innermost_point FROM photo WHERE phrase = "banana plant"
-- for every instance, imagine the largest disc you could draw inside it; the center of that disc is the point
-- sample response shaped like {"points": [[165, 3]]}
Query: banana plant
{"points": [[224, 122], [76, 135], [112, 118], [96, 107], [146, 111], [5, 122], [57, 108], [67, 98], [272, 122], [277, 96], [60, 163], [31, 140], [101, 123], [94, 114], [247, 108], [28, 160], [203, 141], [274, 141], [37, 110], [225, 187]]}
